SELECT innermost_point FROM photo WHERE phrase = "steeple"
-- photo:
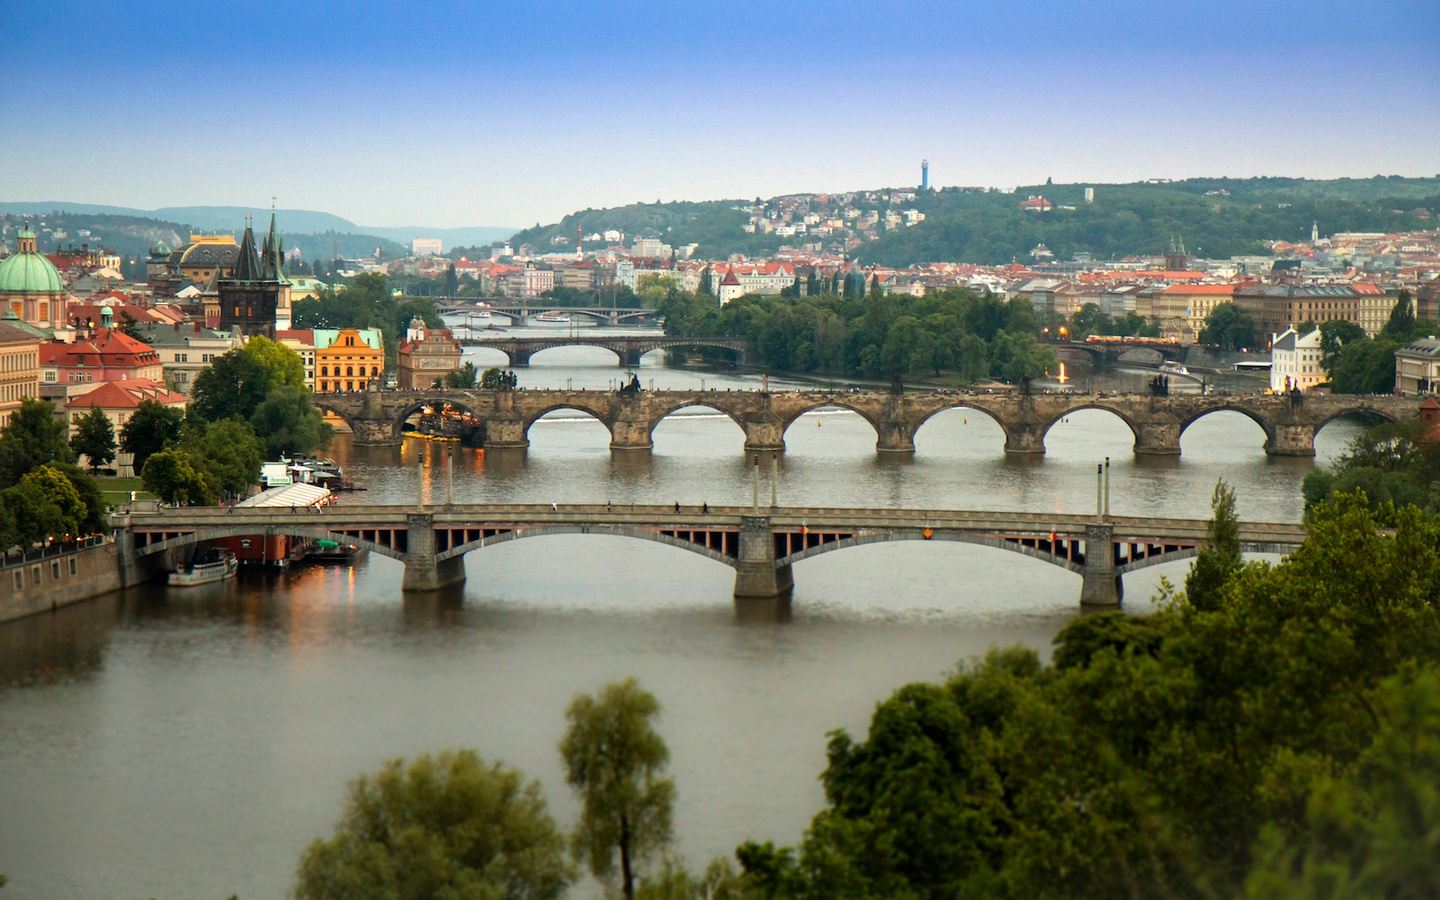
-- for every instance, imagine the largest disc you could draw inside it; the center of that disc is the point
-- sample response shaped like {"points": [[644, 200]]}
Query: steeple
{"points": [[247, 267], [274, 267]]}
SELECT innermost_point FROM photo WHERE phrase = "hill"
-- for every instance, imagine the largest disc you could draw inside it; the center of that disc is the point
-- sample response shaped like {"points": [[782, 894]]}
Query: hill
{"points": [[294, 222], [716, 225], [1216, 217]]}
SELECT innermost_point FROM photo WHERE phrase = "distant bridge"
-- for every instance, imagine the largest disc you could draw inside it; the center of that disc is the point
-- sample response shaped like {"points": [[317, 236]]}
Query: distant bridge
{"points": [[760, 543], [520, 313], [628, 348], [1289, 422]]}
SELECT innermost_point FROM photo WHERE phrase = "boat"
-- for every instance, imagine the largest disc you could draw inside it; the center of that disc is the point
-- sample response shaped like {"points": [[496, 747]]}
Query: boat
{"points": [[333, 552], [553, 317], [210, 565], [1170, 367]]}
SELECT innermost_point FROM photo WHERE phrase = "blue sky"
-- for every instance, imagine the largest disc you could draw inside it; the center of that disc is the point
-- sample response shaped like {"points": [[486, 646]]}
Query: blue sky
{"points": [[514, 112]]}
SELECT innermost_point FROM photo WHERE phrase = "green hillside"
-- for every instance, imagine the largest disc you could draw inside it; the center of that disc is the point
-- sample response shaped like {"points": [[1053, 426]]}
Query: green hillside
{"points": [[716, 225], [1125, 219]]}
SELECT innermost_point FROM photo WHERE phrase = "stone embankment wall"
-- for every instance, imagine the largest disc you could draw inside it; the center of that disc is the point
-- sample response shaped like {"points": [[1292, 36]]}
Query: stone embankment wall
{"points": [[45, 580]]}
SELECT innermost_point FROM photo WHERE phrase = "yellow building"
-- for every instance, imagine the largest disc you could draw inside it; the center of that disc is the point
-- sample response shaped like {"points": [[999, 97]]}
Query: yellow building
{"points": [[353, 361], [19, 369]]}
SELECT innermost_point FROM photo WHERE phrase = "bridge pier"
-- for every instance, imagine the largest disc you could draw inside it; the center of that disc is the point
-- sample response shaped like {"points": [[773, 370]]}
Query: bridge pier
{"points": [[1024, 439], [1157, 439], [518, 357], [894, 436], [505, 430], [1295, 439], [756, 575], [630, 434], [630, 359], [1102, 585], [423, 572], [764, 431]]}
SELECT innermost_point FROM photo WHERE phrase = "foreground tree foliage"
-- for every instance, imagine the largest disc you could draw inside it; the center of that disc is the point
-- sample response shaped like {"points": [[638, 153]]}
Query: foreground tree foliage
{"points": [[1390, 464], [262, 384], [1278, 740], [94, 439], [615, 761], [448, 826], [152, 428]]}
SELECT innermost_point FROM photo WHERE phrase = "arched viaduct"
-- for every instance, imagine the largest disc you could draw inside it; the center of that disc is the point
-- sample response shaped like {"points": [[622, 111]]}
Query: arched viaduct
{"points": [[760, 544], [519, 350], [1157, 423]]}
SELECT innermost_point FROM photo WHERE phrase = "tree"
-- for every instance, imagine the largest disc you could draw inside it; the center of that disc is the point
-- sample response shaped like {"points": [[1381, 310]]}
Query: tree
{"points": [[1219, 559], [463, 377], [177, 477], [1228, 327], [287, 422], [152, 428], [32, 437], [1401, 324], [452, 282], [130, 327], [55, 487], [94, 438], [280, 364], [707, 283], [615, 761], [234, 385], [229, 451], [447, 826], [1334, 335], [1365, 366]]}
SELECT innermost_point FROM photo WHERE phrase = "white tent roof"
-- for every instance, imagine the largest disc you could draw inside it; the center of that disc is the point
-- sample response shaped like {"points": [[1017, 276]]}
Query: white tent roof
{"points": [[289, 495]]}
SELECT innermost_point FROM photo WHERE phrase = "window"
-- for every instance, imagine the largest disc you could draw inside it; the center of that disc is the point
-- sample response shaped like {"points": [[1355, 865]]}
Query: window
{"points": [[182, 357], [207, 357], [349, 370], [55, 569], [35, 574], [74, 566], [324, 370], [19, 579]]}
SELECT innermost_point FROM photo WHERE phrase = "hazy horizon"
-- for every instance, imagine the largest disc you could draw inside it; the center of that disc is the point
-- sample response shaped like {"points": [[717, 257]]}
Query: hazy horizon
{"points": [[508, 117]]}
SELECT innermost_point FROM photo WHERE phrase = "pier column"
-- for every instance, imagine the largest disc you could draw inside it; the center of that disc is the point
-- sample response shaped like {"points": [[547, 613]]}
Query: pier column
{"points": [[422, 571], [505, 431], [1024, 439], [630, 434], [756, 576], [1157, 439], [518, 358], [630, 359], [1295, 439], [894, 436], [1102, 585], [764, 431]]}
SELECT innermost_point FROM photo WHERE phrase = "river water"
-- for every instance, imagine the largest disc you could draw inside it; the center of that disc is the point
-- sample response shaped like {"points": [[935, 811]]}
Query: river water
{"points": [[162, 743]]}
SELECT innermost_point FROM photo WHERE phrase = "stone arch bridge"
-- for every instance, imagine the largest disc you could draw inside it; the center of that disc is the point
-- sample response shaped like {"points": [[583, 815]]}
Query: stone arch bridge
{"points": [[760, 543], [1157, 423], [519, 313], [628, 348]]}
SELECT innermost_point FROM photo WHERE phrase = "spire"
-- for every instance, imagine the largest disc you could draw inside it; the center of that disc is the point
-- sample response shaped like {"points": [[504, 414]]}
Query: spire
{"points": [[274, 253], [247, 267]]}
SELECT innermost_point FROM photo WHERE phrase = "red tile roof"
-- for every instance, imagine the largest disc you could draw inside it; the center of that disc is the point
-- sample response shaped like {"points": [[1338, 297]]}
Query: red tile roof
{"points": [[127, 394]]}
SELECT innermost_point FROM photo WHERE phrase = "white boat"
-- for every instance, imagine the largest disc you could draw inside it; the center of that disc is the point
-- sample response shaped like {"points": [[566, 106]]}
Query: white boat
{"points": [[208, 566], [481, 313], [1170, 367], [553, 317]]}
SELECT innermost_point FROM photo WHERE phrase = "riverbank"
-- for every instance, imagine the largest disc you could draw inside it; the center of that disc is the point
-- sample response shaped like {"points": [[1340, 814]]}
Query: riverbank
{"points": [[45, 580]]}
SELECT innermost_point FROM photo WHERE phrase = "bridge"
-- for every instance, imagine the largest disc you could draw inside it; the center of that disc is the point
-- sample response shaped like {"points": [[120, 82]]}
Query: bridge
{"points": [[761, 544], [628, 348], [1157, 423], [519, 313]]}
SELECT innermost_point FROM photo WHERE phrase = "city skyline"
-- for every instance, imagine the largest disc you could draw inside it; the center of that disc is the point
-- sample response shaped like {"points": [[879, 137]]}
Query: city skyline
{"points": [[515, 116]]}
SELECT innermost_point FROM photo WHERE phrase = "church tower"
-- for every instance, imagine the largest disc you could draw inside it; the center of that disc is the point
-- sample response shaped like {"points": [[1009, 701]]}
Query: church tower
{"points": [[250, 298]]}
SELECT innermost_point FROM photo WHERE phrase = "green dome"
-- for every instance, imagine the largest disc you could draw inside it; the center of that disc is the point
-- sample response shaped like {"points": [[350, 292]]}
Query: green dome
{"points": [[29, 273]]}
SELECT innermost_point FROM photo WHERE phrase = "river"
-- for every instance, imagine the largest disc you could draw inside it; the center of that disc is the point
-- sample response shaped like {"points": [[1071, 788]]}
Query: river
{"points": [[162, 743]]}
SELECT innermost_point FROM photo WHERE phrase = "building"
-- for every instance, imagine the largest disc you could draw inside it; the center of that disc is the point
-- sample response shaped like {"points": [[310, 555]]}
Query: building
{"points": [[426, 354], [1036, 203], [205, 258], [1197, 302], [186, 350], [1417, 367], [104, 354], [255, 299], [1276, 307], [730, 288], [426, 247], [302, 341], [353, 361], [31, 286], [19, 369], [118, 400], [1295, 361]]}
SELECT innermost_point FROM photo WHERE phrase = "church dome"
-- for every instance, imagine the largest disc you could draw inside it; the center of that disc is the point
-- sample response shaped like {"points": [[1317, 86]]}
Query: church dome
{"points": [[29, 272]]}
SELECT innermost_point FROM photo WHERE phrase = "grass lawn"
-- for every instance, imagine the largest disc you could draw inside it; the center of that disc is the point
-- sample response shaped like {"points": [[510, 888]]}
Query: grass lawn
{"points": [[116, 491]]}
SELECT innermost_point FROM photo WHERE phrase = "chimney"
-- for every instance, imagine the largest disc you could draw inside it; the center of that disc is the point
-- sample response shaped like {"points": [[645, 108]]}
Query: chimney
{"points": [[197, 327]]}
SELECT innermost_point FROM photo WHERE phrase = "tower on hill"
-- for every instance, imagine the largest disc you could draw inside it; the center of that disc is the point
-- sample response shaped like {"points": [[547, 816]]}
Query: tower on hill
{"points": [[924, 174]]}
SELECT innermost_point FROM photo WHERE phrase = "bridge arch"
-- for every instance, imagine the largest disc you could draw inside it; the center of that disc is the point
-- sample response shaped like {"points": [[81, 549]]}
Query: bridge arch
{"points": [[885, 537], [612, 530], [1258, 418], [1362, 410], [397, 425], [960, 404], [696, 402], [602, 417], [322, 402], [207, 533], [837, 402], [1095, 405], [558, 343]]}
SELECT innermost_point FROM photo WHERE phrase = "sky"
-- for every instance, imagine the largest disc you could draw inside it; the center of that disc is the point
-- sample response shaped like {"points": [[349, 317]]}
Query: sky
{"points": [[515, 112]]}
